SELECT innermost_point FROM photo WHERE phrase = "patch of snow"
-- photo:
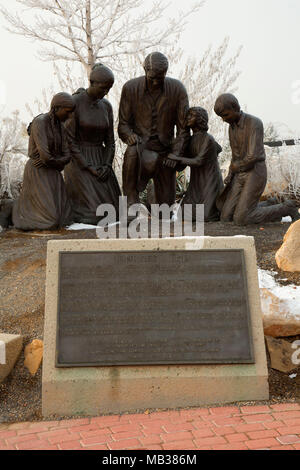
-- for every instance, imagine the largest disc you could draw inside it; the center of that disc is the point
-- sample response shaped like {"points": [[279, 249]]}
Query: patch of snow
{"points": [[82, 227], [88, 227], [287, 220], [289, 294], [293, 376]]}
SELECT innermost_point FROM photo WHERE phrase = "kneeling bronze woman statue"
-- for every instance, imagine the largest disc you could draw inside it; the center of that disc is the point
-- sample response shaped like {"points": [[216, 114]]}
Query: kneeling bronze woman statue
{"points": [[43, 203]]}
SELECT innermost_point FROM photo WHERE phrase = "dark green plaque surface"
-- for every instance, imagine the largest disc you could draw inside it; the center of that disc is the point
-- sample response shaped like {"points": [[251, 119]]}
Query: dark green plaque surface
{"points": [[162, 307]]}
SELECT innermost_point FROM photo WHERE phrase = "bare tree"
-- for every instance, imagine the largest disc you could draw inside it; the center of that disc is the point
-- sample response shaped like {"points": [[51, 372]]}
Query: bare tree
{"points": [[87, 31], [290, 171], [65, 78], [207, 78], [120, 33], [271, 133], [283, 172], [12, 151]]}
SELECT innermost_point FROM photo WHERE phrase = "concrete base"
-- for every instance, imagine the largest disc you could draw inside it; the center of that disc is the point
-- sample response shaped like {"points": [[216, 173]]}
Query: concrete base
{"points": [[105, 390], [10, 349]]}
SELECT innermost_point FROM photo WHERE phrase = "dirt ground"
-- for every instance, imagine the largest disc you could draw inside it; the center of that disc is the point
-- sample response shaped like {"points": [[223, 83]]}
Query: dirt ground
{"points": [[22, 300]]}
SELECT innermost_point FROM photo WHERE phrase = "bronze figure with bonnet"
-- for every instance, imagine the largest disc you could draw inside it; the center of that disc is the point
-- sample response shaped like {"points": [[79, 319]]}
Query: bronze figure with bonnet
{"points": [[43, 203]]}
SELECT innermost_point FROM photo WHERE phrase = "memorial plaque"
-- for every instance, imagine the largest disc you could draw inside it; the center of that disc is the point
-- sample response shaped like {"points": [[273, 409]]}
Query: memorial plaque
{"points": [[153, 307]]}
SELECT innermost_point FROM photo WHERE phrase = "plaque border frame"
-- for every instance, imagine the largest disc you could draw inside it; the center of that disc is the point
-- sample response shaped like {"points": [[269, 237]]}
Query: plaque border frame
{"points": [[250, 361]]}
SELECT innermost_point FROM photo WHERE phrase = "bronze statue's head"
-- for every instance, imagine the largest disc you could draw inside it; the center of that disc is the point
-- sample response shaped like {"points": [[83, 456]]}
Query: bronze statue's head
{"points": [[197, 118], [228, 108], [156, 66], [101, 81], [62, 106]]}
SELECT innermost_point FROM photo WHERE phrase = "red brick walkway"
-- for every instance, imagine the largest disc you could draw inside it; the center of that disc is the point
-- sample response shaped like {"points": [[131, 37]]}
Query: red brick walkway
{"points": [[239, 428]]}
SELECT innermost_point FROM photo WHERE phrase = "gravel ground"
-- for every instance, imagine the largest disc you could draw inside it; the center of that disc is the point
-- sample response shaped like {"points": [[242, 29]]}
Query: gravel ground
{"points": [[22, 296]]}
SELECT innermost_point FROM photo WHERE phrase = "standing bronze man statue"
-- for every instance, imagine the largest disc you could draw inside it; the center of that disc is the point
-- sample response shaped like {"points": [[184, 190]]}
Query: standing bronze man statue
{"points": [[150, 108], [247, 176]]}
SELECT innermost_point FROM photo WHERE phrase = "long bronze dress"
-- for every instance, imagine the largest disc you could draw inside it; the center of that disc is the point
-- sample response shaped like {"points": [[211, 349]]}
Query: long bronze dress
{"points": [[93, 145], [43, 203], [206, 181]]}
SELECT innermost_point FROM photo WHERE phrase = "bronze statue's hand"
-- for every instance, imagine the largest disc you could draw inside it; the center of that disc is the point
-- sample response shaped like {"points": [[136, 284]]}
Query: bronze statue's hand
{"points": [[170, 162], [174, 157], [132, 139], [37, 163]]}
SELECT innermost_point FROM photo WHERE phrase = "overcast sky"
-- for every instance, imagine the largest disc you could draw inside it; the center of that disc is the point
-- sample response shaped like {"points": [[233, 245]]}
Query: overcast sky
{"points": [[268, 30]]}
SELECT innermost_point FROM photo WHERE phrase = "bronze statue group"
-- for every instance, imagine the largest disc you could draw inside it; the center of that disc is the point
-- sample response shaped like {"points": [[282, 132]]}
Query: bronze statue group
{"points": [[77, 137]]}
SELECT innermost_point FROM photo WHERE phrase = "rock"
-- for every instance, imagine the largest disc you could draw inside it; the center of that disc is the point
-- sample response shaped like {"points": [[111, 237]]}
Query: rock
{"points": [[6, 207], [34, 356], [288, 256], [10, 349], [278, 319], [281, 353]]}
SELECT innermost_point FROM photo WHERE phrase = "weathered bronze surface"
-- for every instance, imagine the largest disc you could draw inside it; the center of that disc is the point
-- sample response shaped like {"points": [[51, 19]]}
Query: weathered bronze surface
{"points": [[247, 177], [90, 179], [139, 308], [201, 154], [43, 203], [151, 107]]}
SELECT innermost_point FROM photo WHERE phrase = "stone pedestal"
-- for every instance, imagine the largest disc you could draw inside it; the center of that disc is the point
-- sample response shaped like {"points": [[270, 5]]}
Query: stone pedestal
{"points": [[10, 350], [88, 391]]}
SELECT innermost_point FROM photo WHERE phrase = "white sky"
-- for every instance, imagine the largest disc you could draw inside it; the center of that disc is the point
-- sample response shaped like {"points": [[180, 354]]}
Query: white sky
{"points": [[268, 30]]}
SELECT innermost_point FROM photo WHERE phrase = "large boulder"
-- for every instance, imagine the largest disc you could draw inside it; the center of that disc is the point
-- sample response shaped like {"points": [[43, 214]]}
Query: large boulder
{"points": [[10, 349], [288, 256], [281, 354], [281, 316]]}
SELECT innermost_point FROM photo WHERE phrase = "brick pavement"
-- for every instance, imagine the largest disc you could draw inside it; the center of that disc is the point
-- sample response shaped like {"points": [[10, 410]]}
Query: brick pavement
{"points": [[274, 427]]}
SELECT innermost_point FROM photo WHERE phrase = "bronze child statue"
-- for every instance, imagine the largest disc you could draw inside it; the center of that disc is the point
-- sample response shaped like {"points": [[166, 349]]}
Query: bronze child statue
{"points": [[247, 176], [206, 181]]}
